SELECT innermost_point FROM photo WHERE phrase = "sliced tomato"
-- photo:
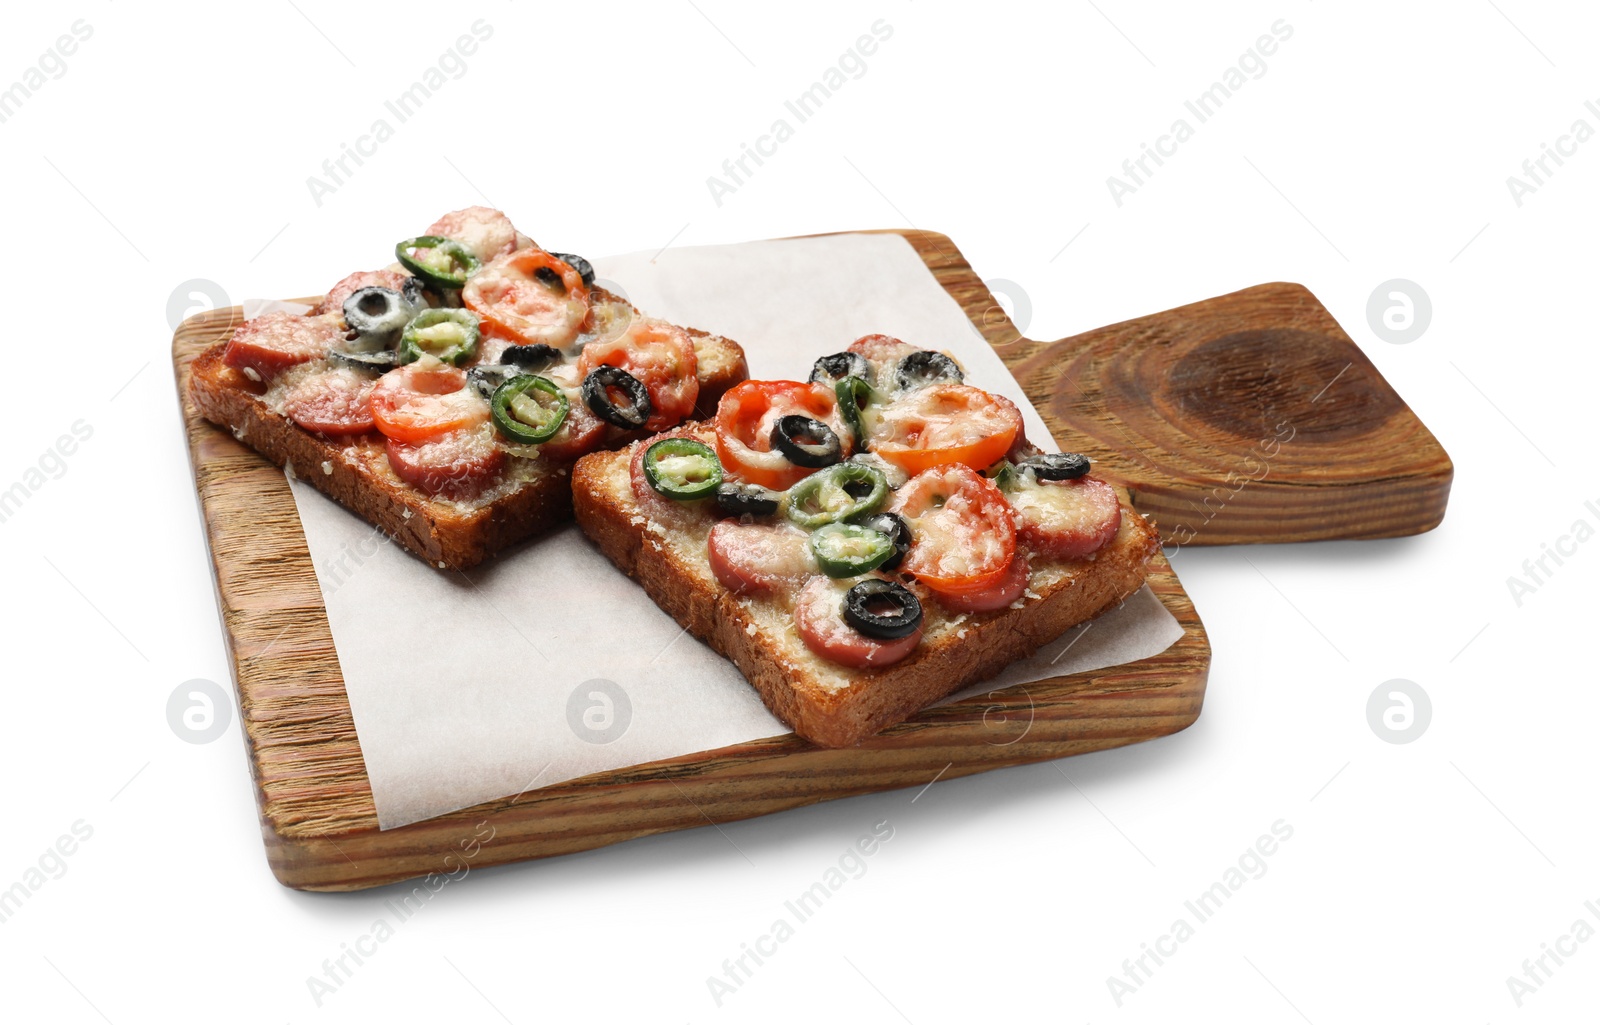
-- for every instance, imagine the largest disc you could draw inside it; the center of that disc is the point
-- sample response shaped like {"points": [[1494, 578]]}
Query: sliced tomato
{"points": [[1013, 584], [943, 424], [881, 349], [265, 347], [745, 415], [333, 401], [820, 622], [1067, 519], [485, 231], [515, 303], [963, 538], [425, 399], [758, 558], [458, 464], [662, 357], [333, 302]]}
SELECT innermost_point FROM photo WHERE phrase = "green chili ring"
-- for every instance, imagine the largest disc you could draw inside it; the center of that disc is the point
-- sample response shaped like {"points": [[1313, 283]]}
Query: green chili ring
{"points": [[852, 394], [682, 469], [520, 416], [457, 266], [837, 493], [450, 335], [850, 549], [1007, 476]]}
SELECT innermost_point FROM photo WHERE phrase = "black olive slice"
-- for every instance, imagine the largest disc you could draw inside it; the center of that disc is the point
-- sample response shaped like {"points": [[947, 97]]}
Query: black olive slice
{"points": [[598, 389], [893, 526], [739, 499], [924, 367], [412, 291], [376, 316], [378, 362], [806, 442], [1056, 465], [882, 609], [835, 368], [584, 268], [490, 376], [531, 358]]}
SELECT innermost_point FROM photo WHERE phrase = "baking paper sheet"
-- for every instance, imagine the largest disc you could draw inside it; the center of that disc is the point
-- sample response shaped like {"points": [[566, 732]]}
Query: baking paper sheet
{"points": [[548, 663]]}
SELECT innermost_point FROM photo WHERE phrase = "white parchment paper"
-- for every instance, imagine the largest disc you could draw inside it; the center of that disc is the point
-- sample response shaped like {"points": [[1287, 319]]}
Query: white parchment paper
{"points": [[467, 687]]}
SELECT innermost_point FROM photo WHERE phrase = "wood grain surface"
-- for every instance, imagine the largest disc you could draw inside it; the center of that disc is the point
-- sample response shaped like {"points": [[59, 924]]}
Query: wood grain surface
{"points": [[1358, 464]]}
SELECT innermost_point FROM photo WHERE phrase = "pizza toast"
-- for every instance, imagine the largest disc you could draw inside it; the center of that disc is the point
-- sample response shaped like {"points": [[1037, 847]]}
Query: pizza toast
{"points": [[953, 572]]}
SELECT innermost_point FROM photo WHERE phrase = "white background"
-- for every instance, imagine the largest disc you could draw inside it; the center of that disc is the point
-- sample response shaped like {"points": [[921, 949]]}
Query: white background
{"points": [[177, 145]]}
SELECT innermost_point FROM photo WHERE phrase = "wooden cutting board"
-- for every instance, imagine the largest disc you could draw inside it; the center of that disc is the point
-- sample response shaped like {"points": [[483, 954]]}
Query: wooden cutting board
{"points": [[1247, 418]]}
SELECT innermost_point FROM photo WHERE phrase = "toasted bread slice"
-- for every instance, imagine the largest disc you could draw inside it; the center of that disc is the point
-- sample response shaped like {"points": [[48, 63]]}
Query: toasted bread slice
{"points": [[828, 704], [356, 473]]}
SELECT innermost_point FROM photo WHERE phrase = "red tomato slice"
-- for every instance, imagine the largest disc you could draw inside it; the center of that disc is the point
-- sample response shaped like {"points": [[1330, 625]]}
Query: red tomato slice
{"points": [[963, 539], [943, 424], [1013, 584], [881, 349], [821, 624], [425, 399], [1067, 519], [334, 401], [459, 464], [745, 415], [758, 558], [485, 231], [662, 357], [265, 347], [514, 303], [333, 302]]}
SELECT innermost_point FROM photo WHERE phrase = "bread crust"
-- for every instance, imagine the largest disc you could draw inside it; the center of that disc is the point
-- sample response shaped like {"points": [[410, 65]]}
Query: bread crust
{"points": [[790, 679], [355, 472]]}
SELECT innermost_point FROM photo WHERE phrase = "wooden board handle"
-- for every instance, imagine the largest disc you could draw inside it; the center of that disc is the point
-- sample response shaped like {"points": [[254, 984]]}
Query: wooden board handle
{"points": [[1247, 418]]}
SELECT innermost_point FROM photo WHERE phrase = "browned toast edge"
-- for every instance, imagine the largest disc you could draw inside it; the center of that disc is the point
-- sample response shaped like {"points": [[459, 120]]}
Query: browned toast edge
{"points": [[444, 534], [846, 717]]}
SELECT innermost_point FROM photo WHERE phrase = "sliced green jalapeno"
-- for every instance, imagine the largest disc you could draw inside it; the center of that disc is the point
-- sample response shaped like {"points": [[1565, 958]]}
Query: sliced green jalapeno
{"points": [[450, 335], [853, 394], [849, 549], [682, 469], [837, 493], [529, 409], [441, 262], [1006, 475]]}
